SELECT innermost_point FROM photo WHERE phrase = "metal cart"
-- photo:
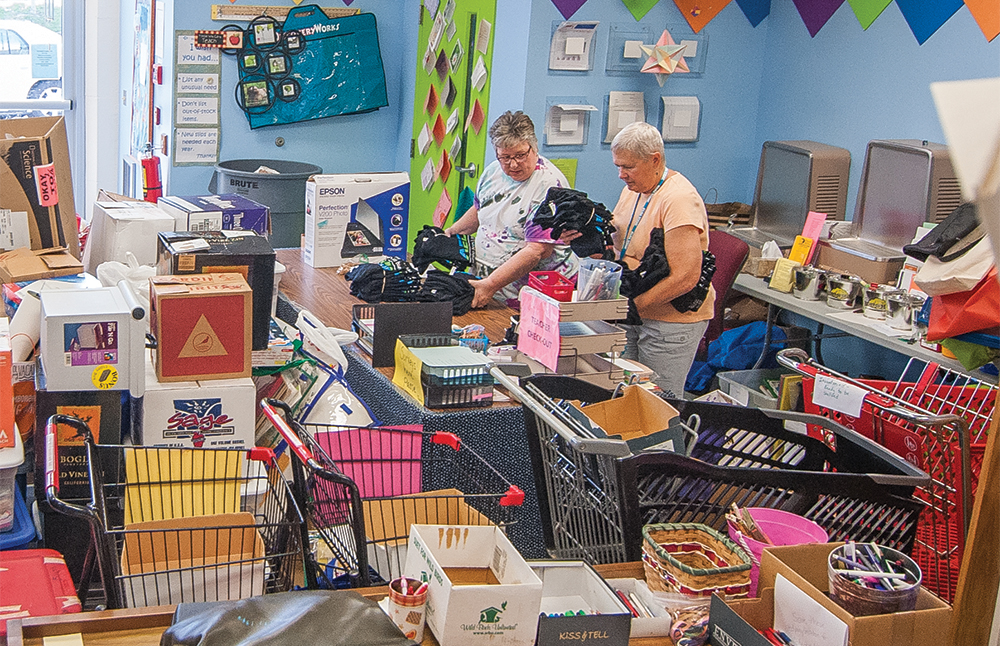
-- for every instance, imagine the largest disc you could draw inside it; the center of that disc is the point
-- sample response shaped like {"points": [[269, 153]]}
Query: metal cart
{"points": [[181, 525], [595, 494], [935, 418], [366, 486]]}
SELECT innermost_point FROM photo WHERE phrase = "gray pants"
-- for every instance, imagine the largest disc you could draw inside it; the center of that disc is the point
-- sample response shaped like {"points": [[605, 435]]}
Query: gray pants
{"points": [[667, 348]]}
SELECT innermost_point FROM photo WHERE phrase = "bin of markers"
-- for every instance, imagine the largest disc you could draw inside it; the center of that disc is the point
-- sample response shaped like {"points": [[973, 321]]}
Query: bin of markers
{"points": [[598, 280], [866, 579]]}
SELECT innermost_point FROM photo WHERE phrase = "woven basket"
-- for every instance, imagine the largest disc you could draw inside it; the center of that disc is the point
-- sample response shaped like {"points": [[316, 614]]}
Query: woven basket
{"points": [[694, 559]]}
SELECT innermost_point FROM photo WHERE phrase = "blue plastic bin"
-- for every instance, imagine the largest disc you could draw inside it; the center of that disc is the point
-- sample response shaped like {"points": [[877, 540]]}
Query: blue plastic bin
{"points": [[19, 536]]}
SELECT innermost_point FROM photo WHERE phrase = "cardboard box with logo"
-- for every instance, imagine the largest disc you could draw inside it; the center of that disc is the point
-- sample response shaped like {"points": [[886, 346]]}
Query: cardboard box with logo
{"points": [[240, 252], [735, 623], [216, 414], [228, 212], [579, 607], [481, 591], [118, 227], [35, 179], [202, 325], [353, 215]]}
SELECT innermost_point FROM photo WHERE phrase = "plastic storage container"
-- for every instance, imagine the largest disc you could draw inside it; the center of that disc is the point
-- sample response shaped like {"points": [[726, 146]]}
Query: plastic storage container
{"points": [[10, 459], [20, 535], [551, 283], [51, 591], [783, 528], [748, 386], [863, 601]]}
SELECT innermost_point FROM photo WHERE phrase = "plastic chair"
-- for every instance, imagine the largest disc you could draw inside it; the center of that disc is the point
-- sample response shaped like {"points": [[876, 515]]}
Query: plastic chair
{"points": [[730, 254]]}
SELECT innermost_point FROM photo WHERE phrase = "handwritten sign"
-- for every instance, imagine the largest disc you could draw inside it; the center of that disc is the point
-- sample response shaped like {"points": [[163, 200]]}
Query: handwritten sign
{"points": [[804, 619], [407, 374], [45, 184], [538, 332], [838, 395]]}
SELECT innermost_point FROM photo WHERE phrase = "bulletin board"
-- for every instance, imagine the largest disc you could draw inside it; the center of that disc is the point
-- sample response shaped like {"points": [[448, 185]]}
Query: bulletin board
{"points": [[452, 91]]}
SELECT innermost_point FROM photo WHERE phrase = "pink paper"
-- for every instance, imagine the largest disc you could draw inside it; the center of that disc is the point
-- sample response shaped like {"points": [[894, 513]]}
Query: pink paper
{"points": [[538, 331], [45, 185], [442, 209], [812, 230]]}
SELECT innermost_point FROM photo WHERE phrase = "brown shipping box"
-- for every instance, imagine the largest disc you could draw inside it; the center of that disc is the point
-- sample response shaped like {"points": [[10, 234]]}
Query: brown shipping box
{"points": [[805, 566], [35, 178], [23, 264]]}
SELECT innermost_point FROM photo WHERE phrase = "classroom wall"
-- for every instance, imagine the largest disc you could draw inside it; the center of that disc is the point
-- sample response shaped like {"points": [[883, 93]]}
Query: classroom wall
{"points": [[376, 141]]}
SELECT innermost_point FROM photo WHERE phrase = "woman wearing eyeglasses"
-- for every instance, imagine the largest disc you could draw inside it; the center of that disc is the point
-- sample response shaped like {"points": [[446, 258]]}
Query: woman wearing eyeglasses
{"points": [[508, 244]]}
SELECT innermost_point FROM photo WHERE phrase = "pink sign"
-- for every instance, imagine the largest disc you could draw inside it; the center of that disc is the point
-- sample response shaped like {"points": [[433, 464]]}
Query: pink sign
{"points": [[538, 331], [45, 184]]}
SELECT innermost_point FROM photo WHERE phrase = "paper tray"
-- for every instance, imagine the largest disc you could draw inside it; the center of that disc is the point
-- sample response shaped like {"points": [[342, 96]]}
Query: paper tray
{"points": [[588, 337], [606, 310]]}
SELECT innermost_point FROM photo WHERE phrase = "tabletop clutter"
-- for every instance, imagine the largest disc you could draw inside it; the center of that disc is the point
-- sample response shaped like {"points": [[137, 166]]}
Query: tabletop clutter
{"points": [[187, 447]]}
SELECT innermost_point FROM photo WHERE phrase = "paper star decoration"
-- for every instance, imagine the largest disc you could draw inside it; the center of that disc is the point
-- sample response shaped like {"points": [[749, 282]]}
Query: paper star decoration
{"points": [[665, 58]]}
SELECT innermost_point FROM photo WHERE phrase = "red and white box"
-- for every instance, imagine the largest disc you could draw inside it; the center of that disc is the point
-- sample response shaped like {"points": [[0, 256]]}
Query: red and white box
{"points": [[202, 324], [7, 428], [50, 591]]}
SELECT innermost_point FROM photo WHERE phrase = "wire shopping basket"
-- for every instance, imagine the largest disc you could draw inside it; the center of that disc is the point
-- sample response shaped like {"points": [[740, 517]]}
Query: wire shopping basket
{"points": [[366, 486], [595, 495], [937, 419], [182, 525]]}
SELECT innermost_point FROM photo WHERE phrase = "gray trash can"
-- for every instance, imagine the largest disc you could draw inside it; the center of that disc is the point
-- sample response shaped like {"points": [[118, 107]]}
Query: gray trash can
{"points": [[284, 194]]}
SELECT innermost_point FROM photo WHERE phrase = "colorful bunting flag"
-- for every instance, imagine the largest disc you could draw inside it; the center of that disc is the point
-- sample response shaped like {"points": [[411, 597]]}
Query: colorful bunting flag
{"points": [[756, 10], [639, 8], [816, 13], [698, 13], [987, 15], [568, 7], [866, 11], [926, 16]]}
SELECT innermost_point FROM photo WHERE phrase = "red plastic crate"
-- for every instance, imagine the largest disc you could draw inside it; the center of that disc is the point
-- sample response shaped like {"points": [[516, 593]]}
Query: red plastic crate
{"points": [[551, 283], [34, 583]]}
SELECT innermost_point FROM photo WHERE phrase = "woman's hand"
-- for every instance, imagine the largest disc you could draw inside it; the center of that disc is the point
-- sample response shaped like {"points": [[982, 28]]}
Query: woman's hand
{"points": [[569, 236]]}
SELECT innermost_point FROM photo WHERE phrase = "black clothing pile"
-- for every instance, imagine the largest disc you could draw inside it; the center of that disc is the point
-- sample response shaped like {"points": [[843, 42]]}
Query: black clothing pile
{"points": [[565, 209], [433, 245], [445, 286], [653, 268], [390, 281]]}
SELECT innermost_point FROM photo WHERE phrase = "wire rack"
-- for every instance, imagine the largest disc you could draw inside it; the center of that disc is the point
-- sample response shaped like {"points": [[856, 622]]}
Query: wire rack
{"points": [[935, 418]]}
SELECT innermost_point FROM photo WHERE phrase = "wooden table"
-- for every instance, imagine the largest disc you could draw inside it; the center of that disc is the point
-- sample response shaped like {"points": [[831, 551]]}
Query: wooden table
{"points": [[144, 626]]}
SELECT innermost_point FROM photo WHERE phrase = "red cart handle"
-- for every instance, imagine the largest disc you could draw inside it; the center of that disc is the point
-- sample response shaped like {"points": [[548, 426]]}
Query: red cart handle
{"points": [[513, 498], [440, 437], [269, 406]]}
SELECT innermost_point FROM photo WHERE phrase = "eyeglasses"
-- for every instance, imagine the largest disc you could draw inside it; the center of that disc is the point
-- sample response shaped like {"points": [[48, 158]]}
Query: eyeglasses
{"points": [[519, 158]]}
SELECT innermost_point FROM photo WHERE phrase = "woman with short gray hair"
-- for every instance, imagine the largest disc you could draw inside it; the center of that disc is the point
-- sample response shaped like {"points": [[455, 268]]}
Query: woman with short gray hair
{"points": [[508, 244], [656, 197]]}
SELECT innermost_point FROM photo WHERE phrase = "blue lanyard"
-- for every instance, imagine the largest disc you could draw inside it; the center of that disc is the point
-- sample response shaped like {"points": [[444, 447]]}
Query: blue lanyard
{"points": [[631, 229]]}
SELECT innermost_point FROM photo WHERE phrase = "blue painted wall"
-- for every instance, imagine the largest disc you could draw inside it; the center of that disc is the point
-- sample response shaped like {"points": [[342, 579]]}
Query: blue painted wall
{"points": [[377, 141]]}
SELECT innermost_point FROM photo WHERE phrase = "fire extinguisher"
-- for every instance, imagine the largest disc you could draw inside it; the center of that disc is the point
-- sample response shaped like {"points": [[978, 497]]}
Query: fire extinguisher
{"points": [[151, 187]]}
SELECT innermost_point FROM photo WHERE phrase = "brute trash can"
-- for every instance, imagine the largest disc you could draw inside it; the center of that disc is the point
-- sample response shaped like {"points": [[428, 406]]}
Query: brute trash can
{"points": [[283, 193]]}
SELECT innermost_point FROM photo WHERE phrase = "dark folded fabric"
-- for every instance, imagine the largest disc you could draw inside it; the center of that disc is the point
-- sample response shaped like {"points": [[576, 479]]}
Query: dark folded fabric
{"points": [[444, 286], [390, 281], [433, 245], [653, 268], [567, 209], [955, 235]]}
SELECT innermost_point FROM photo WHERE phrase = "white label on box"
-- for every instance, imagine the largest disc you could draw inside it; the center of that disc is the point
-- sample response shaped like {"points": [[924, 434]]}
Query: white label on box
{"points": [[194, 244], [203, 110], [14, 229]]}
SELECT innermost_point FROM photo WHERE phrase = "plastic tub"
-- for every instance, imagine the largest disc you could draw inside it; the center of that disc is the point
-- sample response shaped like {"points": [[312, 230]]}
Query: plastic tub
{"points": [[551, 283], [861, 601], [19, 536], [783, 528], [745, 386], [10, 459], [283, 193]]}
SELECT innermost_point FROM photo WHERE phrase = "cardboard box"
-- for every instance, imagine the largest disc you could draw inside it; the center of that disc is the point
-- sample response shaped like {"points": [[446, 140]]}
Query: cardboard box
{"points": [[202, 326], [388, 521], [572, 586], [226, 551], [656, 626], [91, 339], [481, 591], [106, 413], [217, 414], [23, 265], [182, 253], [227, 212], [738, 622], [7, 428], [639, 417], [119, 227], [353, 215], [35, 178], [805, 566]]}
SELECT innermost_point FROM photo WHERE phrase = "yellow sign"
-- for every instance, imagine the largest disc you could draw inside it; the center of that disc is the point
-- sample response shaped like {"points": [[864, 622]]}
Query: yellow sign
{"points": [[104, 377], [408, 369]]}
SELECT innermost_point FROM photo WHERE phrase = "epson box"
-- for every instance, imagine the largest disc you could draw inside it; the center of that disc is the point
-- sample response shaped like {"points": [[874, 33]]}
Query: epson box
{"points": [[227, 212], [354, 215]]}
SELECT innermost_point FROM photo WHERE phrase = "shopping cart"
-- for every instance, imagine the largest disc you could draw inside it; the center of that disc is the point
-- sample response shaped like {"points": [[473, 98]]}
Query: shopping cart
{"points": [[595, 494], [366, 486], [935, 418], [181, 525]]}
